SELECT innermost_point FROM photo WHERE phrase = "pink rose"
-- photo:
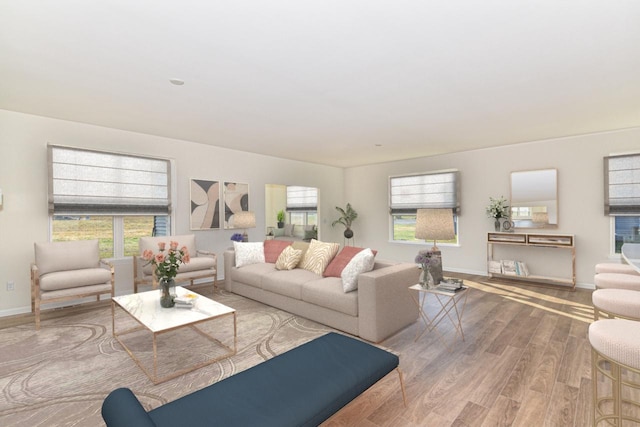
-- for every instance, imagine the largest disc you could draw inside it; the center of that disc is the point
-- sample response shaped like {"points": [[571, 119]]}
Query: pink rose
{"points": [[147, 255], [159, 258], [161, 245], [173, 245], [186, 258]]}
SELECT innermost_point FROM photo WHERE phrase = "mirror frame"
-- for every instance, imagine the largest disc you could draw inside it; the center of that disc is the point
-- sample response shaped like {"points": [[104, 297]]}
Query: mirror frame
{"points": [[551, 206]]}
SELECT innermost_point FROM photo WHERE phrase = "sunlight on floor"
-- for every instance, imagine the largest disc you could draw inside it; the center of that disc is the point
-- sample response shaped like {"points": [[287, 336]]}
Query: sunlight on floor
{"points": [[538, 300]]}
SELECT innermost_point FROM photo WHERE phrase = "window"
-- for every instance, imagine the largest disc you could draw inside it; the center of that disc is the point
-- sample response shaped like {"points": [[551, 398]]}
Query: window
{"points": [[302, 205], [409, 193], [622, 198], [113, 197]]}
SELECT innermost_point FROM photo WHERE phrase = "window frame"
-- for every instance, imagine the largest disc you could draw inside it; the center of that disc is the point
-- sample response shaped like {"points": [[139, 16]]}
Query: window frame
{"points": [[613, 207], [453, 204]]}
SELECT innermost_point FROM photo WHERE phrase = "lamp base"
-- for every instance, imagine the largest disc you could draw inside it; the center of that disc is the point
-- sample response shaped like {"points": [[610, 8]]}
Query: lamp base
{"points": [[436, 270]]}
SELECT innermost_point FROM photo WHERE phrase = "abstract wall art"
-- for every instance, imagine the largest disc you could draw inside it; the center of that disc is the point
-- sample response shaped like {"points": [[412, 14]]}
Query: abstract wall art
{"points": [[236, 199], [205, 204]]}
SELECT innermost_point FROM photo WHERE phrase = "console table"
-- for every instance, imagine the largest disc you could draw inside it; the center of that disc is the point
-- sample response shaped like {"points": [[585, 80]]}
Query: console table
{"points": [[543, 242]]}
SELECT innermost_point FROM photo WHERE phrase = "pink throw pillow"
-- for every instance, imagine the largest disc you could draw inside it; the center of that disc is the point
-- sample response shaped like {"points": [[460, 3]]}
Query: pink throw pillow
{"points": [[340, 261], [273, 249]]}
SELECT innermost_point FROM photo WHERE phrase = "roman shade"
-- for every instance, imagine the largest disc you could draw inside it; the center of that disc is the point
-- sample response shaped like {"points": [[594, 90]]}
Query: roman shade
{"points": [[437, 190], [302, 198], [622, 185], [89, 182]]}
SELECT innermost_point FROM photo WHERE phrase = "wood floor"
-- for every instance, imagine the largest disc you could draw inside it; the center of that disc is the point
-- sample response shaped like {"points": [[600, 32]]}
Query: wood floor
{"points": [[525, 361]]}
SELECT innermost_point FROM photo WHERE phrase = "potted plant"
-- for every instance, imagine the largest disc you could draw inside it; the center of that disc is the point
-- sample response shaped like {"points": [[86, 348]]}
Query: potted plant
{"points": [[497, 209], [280, 218], [347, 216]]}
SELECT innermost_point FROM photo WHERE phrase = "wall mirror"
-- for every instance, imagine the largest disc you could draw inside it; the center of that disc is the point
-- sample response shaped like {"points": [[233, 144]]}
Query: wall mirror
{"points": [[299, 206], [534, 198]]}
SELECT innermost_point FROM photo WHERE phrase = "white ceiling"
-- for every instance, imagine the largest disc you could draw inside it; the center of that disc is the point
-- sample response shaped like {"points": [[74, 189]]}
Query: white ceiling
{"points": [[336, 82]]}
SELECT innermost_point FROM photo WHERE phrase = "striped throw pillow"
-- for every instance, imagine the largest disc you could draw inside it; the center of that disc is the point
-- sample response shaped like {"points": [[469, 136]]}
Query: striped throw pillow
{"points": [[319, 255]]}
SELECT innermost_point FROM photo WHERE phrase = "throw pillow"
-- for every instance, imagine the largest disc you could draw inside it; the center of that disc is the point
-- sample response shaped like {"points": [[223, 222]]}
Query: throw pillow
{"points": [[288, 230], [273, 249], [288, 259], [248, 253], [278, 232], [362, 262], [319, 255], [335, 267]]}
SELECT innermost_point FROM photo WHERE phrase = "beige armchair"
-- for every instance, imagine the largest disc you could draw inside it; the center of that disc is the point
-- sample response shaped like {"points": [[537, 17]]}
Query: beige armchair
{"points": [[202, 265], [68, 270]]}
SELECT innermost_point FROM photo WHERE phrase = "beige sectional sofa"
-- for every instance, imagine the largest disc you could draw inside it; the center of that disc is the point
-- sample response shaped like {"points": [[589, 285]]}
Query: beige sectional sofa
{"points": [[380, 306]]}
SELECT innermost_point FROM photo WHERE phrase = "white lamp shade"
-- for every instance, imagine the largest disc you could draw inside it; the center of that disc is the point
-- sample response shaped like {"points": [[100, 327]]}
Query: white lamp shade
{"points": [[435, 224], [244, 219]]}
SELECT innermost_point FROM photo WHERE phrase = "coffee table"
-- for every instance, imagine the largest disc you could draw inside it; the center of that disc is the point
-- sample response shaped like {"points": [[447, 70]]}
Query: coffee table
{"points": [[150, 317]]}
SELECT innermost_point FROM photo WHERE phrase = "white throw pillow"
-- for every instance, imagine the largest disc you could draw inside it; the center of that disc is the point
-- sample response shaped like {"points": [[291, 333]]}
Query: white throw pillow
{"points": [[248, 253], [362, 262]]}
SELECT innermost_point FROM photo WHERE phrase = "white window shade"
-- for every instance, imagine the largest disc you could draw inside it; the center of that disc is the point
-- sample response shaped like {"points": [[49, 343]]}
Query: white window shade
{"points": [[622, 185], [302, 198], [86, 182], [426, 191]]}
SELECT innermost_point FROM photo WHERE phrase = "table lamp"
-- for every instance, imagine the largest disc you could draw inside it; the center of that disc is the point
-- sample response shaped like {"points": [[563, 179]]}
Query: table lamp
{"points": [[435, 224], [244, 220]]}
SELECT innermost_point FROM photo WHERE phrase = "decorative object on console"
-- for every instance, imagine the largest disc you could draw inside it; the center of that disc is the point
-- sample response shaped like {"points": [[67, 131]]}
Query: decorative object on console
{"points": [[166, 268], [236, 199], [244, 220], [236, 237], [347, 216], [205, 204], [434, 224], [497, 209], [280, 218]]}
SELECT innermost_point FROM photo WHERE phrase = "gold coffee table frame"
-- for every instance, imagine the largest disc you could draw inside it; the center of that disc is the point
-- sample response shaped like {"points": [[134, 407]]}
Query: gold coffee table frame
{"points": [[448, 302], [144, 308]]}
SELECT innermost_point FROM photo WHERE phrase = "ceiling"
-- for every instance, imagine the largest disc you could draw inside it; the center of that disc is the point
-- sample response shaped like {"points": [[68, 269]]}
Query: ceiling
{"points": [[335, 82]]}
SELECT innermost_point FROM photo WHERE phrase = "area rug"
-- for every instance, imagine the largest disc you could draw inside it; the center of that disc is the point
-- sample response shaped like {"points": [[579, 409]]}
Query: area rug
{"points": [[59, 376]]}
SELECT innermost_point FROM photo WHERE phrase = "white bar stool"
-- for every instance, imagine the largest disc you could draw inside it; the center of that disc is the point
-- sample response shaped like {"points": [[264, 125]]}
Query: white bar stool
{"points": [[615, 368], [616, 303], [617, 281], [615, 267]]}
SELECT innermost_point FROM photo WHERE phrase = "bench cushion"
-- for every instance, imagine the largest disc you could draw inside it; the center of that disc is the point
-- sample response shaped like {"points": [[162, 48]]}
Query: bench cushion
{"points": [[64, 256], [74, 278], [302, 387]]}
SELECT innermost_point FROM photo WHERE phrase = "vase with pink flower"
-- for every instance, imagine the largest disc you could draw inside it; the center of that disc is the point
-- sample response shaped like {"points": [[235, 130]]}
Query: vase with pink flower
{"points": [[167, 263]]}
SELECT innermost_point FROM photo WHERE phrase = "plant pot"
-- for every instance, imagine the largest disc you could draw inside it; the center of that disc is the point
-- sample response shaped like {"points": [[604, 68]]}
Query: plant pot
{"points": [[348, 233], [167, 293], [281, 225], [496, 225]]}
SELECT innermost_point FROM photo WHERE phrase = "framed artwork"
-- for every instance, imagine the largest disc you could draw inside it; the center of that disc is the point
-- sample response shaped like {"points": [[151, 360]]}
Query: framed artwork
{"points": [[205, 204], [236, 199]]}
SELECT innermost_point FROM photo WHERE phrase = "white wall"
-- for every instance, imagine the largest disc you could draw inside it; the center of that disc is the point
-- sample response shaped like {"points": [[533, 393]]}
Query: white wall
{"points": [[23, 180], [486, 173]]}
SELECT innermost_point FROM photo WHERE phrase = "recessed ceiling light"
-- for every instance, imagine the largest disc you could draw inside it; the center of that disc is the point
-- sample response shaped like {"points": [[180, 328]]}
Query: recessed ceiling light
{"points": [[177, 82]]}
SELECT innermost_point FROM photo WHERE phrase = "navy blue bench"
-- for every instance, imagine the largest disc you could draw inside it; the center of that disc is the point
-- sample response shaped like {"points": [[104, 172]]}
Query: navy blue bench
{"points": [[302, 387]]}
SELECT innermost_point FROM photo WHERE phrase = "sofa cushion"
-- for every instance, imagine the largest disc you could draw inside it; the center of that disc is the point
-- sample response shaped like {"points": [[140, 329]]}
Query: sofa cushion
{"points": [[63, 256], [74, 278], [288, 230], [337, 264], [303, 246], [288, 259], [288, 283], [360, 263], [252, 274], [328, 293], [273, 249], [278, 232], [319, 255], [248, 253]]}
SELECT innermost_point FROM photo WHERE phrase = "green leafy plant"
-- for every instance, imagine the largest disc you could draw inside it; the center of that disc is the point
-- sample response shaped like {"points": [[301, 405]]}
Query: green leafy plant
{"points": [[497, 208], [347, 216], [280, 216]]}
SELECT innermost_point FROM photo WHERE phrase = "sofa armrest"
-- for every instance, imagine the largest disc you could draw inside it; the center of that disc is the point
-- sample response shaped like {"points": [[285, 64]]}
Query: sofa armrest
{"points": [[229, 262], [121, 408], [384, 303]]}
